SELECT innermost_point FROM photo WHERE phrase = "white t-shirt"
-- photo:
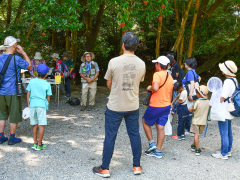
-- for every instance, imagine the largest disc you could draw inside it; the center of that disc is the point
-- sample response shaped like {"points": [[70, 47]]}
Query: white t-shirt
{"points": [[126, 72], [227, 91], [183, 97]]}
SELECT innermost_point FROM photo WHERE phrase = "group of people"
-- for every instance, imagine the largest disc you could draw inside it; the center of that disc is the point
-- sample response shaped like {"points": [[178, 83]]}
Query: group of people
{"points": [[171, 89]]}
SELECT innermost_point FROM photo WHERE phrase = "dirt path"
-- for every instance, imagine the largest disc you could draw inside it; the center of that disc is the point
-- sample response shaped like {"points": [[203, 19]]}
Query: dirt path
{"points": [[72, 152]]}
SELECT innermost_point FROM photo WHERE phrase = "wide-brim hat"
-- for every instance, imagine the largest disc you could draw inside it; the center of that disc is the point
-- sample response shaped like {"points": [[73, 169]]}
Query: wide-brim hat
{"points": [[203, 91], [37, 55], [55, 55], [228, 68], [65, 54], [92, 55]]}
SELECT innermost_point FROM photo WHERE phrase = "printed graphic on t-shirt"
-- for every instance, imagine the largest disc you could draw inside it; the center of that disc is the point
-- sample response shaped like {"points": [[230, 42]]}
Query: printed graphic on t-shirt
{"points": [[129, 75]]}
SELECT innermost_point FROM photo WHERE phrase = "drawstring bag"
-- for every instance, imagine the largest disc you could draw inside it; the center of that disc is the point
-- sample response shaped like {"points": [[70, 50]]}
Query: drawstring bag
{"points": [[73, 101]]}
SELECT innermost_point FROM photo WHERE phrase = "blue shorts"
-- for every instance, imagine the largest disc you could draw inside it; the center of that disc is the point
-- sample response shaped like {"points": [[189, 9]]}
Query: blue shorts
{"points": [[158, 115], [38, 116]]}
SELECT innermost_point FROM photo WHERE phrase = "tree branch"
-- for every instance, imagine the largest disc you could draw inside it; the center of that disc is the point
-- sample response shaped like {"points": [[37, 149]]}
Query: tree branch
{"points": [[19, 11]]}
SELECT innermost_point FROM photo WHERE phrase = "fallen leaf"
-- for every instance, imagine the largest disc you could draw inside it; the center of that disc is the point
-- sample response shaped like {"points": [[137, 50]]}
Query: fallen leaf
{"points": [[70, 127]]}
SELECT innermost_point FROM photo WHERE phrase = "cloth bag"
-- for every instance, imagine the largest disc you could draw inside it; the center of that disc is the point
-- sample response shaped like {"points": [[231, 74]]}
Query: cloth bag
{"points": [[168, 126]]}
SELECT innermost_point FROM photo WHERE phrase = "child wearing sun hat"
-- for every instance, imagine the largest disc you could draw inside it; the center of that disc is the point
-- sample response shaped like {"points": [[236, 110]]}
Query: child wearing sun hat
{"points": [[200, 111]]}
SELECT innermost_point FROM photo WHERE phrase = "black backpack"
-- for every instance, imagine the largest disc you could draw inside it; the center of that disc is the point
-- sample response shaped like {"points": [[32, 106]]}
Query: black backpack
{"points": [[73, 101]]}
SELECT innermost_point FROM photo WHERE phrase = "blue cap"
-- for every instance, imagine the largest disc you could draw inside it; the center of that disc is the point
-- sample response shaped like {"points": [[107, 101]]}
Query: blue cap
{"points": [[42, 69]]}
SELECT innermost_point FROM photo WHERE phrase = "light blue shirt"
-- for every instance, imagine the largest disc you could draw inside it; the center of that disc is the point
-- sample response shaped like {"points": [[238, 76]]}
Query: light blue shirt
{"points": [[8, 86], [39, 90]]}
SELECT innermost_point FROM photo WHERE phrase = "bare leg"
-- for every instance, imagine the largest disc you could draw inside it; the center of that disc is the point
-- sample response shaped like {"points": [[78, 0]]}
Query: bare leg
{"points": [[40, 133], [34, 131], [2, 125], [13, 128], [147, 129], [196, 140], [161, 136]]}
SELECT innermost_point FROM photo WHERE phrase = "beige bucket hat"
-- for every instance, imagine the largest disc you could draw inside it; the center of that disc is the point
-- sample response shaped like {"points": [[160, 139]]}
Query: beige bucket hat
{"points": [[55, 55], [37, 55], [228, 68], [203, 91], [92, 55]]}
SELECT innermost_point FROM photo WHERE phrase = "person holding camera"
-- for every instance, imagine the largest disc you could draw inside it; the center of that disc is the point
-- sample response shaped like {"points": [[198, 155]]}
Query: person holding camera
{"points": [[10, 95]]}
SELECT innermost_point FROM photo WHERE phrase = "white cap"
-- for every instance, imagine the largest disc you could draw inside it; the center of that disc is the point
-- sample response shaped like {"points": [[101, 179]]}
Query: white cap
{"points": [[2, 48], [9, 41], [162, 60]]}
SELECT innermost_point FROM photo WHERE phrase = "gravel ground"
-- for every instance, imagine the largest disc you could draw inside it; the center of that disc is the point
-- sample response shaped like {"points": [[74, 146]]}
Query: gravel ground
{"points": [[72, 152]]}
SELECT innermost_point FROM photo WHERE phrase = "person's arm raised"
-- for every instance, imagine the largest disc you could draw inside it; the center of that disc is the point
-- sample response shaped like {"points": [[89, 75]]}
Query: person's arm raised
{"points": [[25, 56]]}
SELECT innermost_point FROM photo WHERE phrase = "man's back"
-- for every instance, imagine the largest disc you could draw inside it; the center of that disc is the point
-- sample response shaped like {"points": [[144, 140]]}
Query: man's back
{"points": [[126, 72]]}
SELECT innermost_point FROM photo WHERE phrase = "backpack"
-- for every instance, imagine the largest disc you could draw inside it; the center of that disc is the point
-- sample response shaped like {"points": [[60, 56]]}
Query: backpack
{"points": [[73, 101], [236, 100]]}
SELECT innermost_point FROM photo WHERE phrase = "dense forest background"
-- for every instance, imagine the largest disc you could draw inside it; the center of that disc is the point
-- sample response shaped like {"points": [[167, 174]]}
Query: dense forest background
{"points": [[209, 30]]}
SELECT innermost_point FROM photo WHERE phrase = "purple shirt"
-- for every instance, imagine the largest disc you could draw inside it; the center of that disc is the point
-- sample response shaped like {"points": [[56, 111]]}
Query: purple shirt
{"points": [[35, 64]]}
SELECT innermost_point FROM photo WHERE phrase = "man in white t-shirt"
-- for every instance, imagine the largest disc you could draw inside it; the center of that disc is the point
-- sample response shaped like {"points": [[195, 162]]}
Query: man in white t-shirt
{"points": [[229, 69], [123, 76]]}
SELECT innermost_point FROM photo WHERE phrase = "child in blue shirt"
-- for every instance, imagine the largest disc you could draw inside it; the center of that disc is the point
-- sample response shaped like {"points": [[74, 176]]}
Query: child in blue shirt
{"points": [[38, 98]]}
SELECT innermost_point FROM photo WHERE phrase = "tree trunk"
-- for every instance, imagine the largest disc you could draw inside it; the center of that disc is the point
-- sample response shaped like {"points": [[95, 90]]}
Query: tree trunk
{"points": [[19, 11], [181, 51], [190, 47], [158, 35], [28, 34], [213, 61], [54, 39], [176, 14], [182, 29], [9, 12], [68, 43], [120, 43], [74, 45]]}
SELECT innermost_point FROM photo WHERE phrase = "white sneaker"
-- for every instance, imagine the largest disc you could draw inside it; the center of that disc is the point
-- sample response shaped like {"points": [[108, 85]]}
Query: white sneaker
{"points": [[187, 133], [220, 156], [229, 154]]}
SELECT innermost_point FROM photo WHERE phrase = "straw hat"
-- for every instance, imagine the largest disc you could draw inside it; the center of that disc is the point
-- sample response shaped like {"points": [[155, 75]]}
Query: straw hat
{"points": [[37, 55], [92, 55], [228, 68], [55, 55], [203, 91]]}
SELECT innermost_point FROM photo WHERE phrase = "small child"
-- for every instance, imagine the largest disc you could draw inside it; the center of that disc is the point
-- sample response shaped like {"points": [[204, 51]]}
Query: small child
{"points": [[38, 98], [182, 110], [200, 110]]}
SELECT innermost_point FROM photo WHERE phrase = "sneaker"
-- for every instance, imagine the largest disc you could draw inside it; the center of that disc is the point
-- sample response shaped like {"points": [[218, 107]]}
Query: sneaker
{"points": [[152, 147], [3, 139], [154, 154], [13, 140], [229, 154], [187, 133], [220, 156], [183, 137], [89, 108], [193, 148], [41, 147], [82, 108], [177, 137], [136, 170], [198, 152], [34, 146], [101, 172]]}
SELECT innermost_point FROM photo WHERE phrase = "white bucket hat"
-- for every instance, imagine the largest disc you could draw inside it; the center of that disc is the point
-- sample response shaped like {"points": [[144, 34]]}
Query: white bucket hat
{"points": [[37, 55], [55, 55], [92, 55], [228, 68], [10, 41]]}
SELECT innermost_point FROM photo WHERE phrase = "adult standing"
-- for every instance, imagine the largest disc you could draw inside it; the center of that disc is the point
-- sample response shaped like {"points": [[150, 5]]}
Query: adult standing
{"points": [[35, 63], [159, 107], [229, 69], [11, 104], [123, 76], [89, 72], [68, 68]]}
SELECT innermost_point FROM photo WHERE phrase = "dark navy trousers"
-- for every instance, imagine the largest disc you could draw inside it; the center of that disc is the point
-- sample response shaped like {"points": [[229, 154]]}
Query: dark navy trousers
{"points": [[182, 111], [113, 120]]}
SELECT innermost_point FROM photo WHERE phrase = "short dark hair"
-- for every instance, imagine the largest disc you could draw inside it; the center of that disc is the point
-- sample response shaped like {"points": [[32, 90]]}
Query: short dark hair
{"points": [[40, 75], [191, 62], [171, 59], [177, 86], [172, 53], [130, 40]]}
